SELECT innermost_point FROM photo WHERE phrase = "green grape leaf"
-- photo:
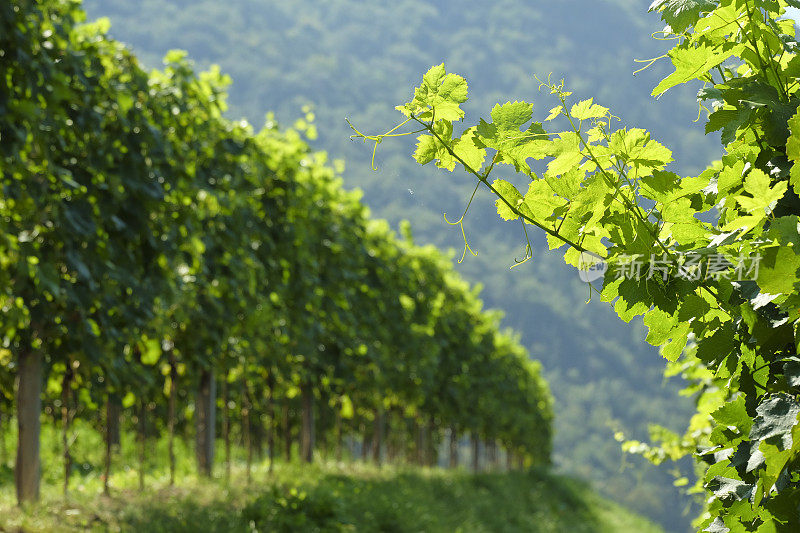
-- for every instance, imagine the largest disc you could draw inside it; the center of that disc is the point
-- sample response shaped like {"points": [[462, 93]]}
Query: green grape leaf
{"points": [[767, 106], [777, 270], [734, 414], [438, 97], [511, 194], [791, 370], [467, 149], [694, 234], [679, 211], [510, 117], [541, 201], [628, 294], [430, 147], [776, 417], [593, 198], [694, 62], [505, 135], [758, 184], [731, 177], [793, 150], [427, 149], [726, 488], [660, 186], [635, 148], [717, 526], [775, 460], [667, 330], [729, 121], [677, 342], [567, 152], [775, 267], [680, 14], [586, 109], [556, 111], [659, 324], [762, 197]]}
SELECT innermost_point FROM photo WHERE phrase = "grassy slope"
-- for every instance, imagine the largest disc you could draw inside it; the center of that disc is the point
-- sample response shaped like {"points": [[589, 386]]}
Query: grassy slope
{"points": [[335, 498], [326, 497]]}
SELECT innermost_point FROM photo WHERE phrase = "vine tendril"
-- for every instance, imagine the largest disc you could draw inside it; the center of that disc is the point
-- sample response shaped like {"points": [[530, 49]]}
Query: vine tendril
{"points": [[460, 222], [648, 61], [377, 139], [528, 248]]}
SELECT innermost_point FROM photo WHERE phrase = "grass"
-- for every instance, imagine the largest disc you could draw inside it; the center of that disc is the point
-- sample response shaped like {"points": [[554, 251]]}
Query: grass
{"points": [[327, 497]]}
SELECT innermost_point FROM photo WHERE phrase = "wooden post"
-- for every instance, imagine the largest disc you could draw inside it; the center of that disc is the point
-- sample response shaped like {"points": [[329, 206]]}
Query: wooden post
{"points": [[339, 436], [226, 426], [287, 431], [491, 454], [378, 437], [66, 390], [453, 441], [142, 435], [248, 441], [307, 441], [431, 453], [111, 412], [206, 422], [420, 446], [27, 471], [3, 450], [173, 391], [475, 452], [364, 442], [271, 417]]}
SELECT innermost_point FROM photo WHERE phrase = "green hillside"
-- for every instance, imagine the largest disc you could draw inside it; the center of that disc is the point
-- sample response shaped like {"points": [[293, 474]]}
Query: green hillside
{"points": [[356, 60]]}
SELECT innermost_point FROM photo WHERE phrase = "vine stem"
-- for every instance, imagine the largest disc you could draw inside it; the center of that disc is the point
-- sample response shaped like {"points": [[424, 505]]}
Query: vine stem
{"points": [[635, 209], [754, 43], [483, 179]]}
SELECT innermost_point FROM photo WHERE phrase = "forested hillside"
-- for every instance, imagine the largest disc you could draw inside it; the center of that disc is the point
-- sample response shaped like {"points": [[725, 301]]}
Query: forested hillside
{"points": [[357, 60]]}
